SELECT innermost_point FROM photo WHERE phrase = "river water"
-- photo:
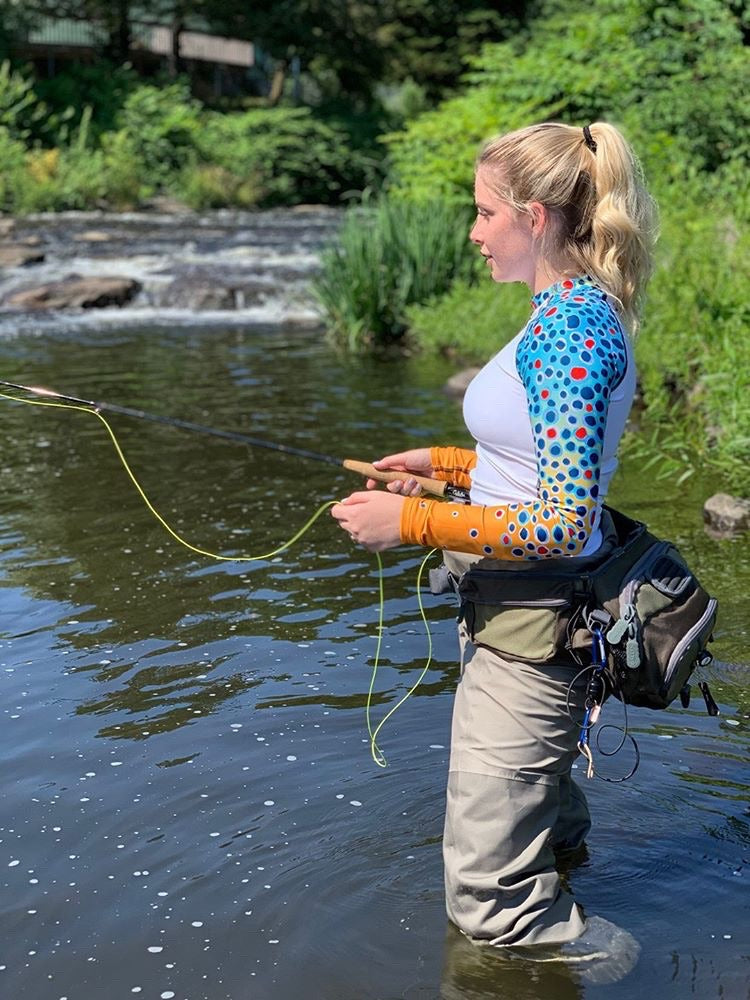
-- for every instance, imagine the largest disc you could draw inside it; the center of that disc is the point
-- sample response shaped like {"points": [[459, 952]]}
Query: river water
{"points": [[189, 807]]}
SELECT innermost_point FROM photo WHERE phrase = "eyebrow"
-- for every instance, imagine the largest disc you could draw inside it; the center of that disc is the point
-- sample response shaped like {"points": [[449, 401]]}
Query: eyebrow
{"points": [[485, 208]]}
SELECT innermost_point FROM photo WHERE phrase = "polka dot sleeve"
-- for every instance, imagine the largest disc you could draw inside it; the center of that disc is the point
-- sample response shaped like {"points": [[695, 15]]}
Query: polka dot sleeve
{"points": [[569, 362]]}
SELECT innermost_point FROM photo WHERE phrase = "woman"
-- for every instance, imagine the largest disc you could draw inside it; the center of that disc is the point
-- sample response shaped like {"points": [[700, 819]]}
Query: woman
{"points": [[564, 210]]}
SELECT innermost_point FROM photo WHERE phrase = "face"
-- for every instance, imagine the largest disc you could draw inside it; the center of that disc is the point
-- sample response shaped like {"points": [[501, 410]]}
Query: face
{"points": [[503, 235]]}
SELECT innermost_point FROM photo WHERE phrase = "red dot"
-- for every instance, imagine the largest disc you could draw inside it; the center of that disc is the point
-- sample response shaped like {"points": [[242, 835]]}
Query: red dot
{"points": [[552, 433], [506, 540], [567, 284], [551, 312], [538, 328], [578, 373], [589, 407], [588, 473], [542, 550], [537, 363], [578, 298], [589, 343], [581, 432], [545, 393]]}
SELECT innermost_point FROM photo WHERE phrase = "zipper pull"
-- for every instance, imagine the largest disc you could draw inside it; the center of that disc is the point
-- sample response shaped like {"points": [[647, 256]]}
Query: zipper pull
{"points": [[622, 625], [633, 653]]}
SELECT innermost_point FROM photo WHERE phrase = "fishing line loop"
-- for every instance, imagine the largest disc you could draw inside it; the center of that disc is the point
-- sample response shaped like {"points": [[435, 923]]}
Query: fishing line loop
{"points": [[376, 752]]}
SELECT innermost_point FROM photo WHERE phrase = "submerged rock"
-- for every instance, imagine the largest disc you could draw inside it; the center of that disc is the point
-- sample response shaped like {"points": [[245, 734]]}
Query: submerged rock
{"points": [[726, 515], [92, 236], [74, 292]]}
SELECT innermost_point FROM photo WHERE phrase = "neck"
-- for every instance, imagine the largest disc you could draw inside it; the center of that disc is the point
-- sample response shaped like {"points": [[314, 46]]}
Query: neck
{"points": [[544, 276]]}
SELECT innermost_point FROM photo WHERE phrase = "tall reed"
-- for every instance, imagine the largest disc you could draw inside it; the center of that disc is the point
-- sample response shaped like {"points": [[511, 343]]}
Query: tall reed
{"points": [[390, 254]]}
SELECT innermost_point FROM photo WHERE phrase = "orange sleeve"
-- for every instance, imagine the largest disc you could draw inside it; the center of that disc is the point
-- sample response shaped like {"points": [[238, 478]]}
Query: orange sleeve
{"points": [[453, 464], [511, 531]]}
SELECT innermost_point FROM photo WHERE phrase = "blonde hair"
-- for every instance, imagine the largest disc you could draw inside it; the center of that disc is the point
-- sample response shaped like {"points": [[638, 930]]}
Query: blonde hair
{"points": [[603, 218]]}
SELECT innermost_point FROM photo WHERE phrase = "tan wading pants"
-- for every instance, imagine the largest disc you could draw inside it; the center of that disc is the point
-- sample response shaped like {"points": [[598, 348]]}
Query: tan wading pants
{"points": [[511, 800]]}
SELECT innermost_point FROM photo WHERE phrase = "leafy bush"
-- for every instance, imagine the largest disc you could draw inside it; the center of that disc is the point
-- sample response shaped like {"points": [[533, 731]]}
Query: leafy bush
{"points": [[141, 139], [287, 153], [694, 353], [21, 111], [12, 168], [205, 186], [162, 126], [390, 255]]}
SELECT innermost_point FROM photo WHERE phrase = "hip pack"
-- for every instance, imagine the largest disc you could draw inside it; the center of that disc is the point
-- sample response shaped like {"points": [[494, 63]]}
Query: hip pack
{"points": [[637, 591]]}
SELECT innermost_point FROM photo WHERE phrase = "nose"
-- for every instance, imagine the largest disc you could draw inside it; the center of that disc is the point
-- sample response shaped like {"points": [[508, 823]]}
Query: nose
{"points": [[472, 234]]}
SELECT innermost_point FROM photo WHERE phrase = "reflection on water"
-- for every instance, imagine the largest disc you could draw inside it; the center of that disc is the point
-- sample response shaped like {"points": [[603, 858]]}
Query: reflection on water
{"points": [[190, 807]]}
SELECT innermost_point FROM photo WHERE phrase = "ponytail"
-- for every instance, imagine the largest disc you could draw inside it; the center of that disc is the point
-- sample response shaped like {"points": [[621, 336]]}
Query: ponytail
{"points": [[603, 220]]}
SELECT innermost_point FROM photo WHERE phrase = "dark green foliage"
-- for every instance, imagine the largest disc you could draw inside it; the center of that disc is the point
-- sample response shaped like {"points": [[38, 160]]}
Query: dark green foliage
{"points": [[670, 73], [290, 155], [163, 125], [102, 86]]}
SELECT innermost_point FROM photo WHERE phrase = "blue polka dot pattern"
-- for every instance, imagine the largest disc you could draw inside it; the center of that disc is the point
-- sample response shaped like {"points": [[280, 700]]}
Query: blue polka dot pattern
{"points": [[570, 358]]}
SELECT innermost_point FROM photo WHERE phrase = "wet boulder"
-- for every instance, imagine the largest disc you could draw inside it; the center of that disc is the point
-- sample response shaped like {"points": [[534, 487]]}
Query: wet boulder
{"points": [[19, 254], [75, 292], [203, 289], [726, 515]]}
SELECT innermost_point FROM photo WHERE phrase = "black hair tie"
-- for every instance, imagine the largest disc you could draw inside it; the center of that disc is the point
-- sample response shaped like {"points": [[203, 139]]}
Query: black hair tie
{"points": [[589, 139]]}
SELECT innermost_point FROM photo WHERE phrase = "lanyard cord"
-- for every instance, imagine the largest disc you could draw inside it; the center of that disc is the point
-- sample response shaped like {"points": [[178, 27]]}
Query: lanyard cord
{"points": [[376, 752]]}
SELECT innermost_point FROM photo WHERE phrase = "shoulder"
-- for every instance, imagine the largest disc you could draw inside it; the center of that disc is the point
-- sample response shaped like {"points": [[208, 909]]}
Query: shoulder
{"points": [[574, 333]]}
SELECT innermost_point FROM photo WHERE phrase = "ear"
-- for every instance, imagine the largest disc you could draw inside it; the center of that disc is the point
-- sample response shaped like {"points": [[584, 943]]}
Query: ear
{"points": [[539, 217]]}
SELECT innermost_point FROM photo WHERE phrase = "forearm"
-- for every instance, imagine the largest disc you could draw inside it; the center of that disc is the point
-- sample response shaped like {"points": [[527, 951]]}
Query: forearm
{"points": [[511, 531]]}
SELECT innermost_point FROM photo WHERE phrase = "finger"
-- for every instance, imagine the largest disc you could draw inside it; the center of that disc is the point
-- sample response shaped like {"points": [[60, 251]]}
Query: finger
{"points": [[372, 484], [355, 498], [396, 462], [340, 513], [412, 488], [395, 486]]}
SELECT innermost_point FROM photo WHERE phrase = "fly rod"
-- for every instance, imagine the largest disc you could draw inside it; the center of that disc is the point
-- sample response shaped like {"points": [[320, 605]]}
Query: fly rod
{"points": [[433, 486]]}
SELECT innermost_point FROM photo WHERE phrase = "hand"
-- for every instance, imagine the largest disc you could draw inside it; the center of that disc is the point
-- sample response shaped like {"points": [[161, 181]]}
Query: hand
{"points": [[416, 460], [371, 519]]}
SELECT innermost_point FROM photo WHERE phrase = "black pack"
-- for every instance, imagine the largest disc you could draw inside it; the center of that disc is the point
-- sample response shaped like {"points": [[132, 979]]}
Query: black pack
{"points": [[655, 617]]}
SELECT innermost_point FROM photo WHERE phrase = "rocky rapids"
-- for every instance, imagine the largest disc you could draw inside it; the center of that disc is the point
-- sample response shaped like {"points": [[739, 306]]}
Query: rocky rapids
{"points": [[85, 268]]}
